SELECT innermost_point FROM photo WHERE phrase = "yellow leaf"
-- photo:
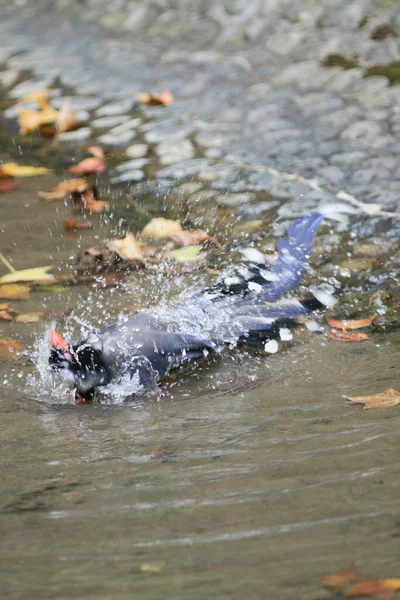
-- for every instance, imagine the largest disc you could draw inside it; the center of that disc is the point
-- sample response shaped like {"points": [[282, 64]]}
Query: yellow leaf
{"points": [[128, 248], [38, 96], [30, 120], [186, 254], [389, 397], [15, 291], [375, 588], [342, 579], [34, 274], [14, 170], [154, 567], [162, 228], [32, 317]]}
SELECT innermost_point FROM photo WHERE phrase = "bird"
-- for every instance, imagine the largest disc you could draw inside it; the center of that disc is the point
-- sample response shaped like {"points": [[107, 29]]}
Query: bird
{"points": [[239, 313]]}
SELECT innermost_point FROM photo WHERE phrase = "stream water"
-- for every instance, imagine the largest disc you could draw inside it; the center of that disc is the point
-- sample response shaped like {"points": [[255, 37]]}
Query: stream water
{"points": [[246, 476]]}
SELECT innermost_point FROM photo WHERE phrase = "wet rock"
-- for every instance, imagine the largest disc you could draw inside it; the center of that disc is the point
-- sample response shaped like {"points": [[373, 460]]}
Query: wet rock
{"points": [[202, 196], [189, 188], [9, 77], [112, 121], [212, 139], [361, 130], [129, 165], [77, 102], [345, 80], [29, 86], [79, 135], [115, 108], [214, 153], [169, 133], [252, 211], [135, 175], [332, 174], [234, 199], [183, 169], [119, 138], [174, 152], [137, 150], [348, 159]]}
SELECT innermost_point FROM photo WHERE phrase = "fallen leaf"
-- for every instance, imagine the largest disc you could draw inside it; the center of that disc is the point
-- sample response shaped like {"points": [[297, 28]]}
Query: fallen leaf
{"points": [[32, 317], [9, 349], [164, 98], [65, 188], [342, 579], [31, 120], [33, 274], [190, 238], [15, 291], [5, 315], [14, 170], [343, 336], [87, 201], [96, 164], [389, 397], [350, 323], [8, 185], [38, 96], [66, 119], [162, 228], [375, 588], [186, 254], [71, 225], [127, 248]]}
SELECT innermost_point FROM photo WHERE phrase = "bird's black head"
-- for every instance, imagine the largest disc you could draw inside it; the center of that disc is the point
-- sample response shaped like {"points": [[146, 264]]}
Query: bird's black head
{"points": [[80, 366]]}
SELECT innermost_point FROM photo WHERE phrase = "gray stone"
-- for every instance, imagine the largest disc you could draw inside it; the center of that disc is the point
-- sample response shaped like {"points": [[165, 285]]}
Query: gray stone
{"points": [[213, 153], [135, 175], [137, 150], [29, 86], [213, 139], [77, 102], [348, 159], [116, 108], [175, 151], [183, 169], [255, 210], [361, 130], [169, 133], [117, 138], [332, 174], [345, 80], [189, 188], [129, 165], [79, 135], [9, 77], [106, 122], [234, 199]]}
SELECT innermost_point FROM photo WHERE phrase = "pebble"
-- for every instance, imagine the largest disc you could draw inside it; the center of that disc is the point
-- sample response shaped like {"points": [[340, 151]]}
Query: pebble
{"points": [[234, 199], [347, 159], [137, 150], [332, 174], [134, 175], [9, 77], [183, 169], [189, 188], [136, 163], [213, 153], [116, 138], [361, 130], [77, 102], [115, 108], [170, 133], [256, 210], [29, 86], [105, 122], [184, 147], [79, 135]]}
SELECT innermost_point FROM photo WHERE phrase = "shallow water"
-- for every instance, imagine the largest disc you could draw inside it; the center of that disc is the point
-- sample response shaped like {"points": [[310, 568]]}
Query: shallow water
{"points": [[246, 475]]}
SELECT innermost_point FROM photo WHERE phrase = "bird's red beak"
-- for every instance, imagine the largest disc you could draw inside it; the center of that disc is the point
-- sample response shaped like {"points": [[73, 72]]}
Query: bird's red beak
{"points": [[57, 341]]}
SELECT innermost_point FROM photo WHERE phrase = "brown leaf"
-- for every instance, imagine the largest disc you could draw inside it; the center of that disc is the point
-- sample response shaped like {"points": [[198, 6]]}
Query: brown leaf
{"points": [[96, 164], [191, 238], [162, 228], [15, 291], [31, 120], [87, 201], [128, 248], [33, 317], [66, 119], [9, 349], [8, 185], [350, 324], [71, 225], [164, 98], [342, 579], [5, 315], [347, 337], [375, 588], [389, 397], [65, 188]]}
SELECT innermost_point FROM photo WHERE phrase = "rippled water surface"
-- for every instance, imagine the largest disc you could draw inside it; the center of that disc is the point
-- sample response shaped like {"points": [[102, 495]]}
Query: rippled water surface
{"points": [[247, 476]]}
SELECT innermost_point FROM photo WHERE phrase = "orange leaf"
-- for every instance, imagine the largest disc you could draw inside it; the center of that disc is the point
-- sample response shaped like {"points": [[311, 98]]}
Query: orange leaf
{"points": [[38, 96], [342, 579], [71, 225], [87, 202], [376, 588], [165, 98], [5, 315], [9, 349], [32, 317], [87, 166], [8, 185], [350, 324], [389, 397], [66, 119], [65, 188], [15, 291], [190, 238], [128, 248]]}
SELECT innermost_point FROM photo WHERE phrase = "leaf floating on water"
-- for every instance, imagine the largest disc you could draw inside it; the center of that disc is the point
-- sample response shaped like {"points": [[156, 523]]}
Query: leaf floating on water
{"points": [[5, 315], [65, 188], [96, 164], [66, 119], [164, 98], [39, 96], [389, 397], [160, 228], [350, 323], [87, 201], [33, 317], [15, 170], [15, 291], [71, 225], [343, 336], [374, 588], [198, 236], [186, 254], [128, 248], [34, 274], [8, 185], [9, 349], [342, 579], [31, 120]]}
